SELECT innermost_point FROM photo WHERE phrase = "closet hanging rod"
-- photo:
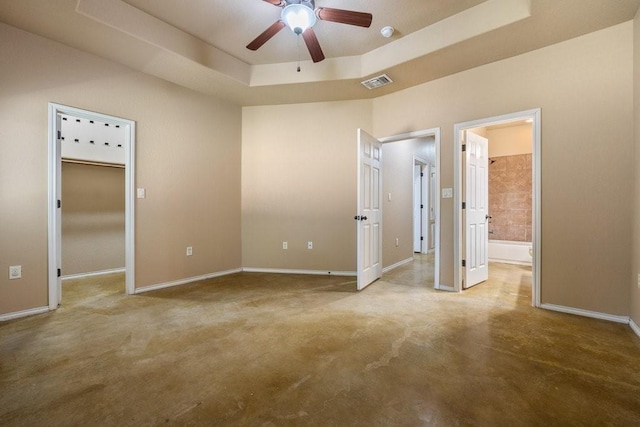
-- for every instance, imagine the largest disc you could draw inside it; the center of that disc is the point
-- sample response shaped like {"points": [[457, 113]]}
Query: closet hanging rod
{"points": [[90, 163]]}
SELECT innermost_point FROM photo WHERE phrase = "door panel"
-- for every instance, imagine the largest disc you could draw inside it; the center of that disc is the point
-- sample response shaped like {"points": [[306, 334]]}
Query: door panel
{"points": [[369, 217], [476, 212]]}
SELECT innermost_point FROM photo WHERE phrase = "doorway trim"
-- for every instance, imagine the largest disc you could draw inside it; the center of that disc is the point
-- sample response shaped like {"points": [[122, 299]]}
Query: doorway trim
{"points": [[54, 213], [458, 128], [435, 133]]}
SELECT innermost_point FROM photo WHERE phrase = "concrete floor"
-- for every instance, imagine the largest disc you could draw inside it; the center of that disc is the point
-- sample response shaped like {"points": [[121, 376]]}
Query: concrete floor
{"points": [[265, 349]]}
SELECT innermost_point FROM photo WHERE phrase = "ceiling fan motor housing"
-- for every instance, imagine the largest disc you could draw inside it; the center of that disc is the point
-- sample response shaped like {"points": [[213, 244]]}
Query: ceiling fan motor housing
{"points": [[309, 3]]}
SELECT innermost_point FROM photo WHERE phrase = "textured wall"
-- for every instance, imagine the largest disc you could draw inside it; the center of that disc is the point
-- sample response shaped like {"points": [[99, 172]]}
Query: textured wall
{"points": [[510, 201]]}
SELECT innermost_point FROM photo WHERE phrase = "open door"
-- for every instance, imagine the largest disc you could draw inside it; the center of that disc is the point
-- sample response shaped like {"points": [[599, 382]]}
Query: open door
{"points": [[55, 217], [476, 213], [369, 216]]}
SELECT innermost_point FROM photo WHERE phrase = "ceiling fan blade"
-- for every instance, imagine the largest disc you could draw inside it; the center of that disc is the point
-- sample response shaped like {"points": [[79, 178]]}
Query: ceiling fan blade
{"points": [[313, 45], [266, 35], [275, 2], [342, 16]]}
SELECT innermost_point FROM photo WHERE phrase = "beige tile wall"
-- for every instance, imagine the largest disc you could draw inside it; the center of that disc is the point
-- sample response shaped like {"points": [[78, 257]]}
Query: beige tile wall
{"points": [[510, 198]]}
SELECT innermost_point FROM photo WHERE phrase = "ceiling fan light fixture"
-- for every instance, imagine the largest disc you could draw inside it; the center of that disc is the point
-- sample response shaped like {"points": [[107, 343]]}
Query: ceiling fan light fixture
{"points": [[298, 17]]}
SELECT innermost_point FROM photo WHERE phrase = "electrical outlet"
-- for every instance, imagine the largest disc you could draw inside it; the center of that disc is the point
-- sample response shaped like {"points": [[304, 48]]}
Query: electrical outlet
{"points": [[15, 272], [285, 245], [189, 250], [309, 245]]}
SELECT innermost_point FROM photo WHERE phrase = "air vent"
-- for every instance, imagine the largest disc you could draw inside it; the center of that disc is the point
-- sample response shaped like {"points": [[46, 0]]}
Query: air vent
{"points": [[377, 82]]}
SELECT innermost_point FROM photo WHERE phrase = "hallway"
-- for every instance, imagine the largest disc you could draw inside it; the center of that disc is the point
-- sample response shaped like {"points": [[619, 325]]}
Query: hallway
{"points": [[268, 349]]}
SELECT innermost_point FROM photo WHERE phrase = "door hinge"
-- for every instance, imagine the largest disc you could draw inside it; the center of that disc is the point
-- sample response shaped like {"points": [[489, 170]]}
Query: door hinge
{"points": [[464, 147], [464, 205], [421, 174], [464, 263], [59, 203], [421, 206], [59, 272], [421, 238], [59, 135]]}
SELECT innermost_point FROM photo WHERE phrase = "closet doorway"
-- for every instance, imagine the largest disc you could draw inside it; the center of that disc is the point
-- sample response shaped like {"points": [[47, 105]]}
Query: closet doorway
{"points": [[93, 154]]}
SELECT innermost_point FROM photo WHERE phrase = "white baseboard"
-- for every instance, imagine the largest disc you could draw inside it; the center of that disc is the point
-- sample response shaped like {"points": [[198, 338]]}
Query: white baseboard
{"points": [[635, 327], [445, 288], [185, 281], [397, 264], [23, 313], [93, 273], [586, 313], [288, 271]]}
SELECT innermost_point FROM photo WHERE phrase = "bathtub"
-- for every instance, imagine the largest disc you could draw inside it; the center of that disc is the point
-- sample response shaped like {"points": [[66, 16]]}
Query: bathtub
{"points": [[510, 252]]}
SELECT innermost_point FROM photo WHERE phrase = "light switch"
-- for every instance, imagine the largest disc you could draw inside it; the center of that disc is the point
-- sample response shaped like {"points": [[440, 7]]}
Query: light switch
{"points": [[447, 193], [141, 193]]}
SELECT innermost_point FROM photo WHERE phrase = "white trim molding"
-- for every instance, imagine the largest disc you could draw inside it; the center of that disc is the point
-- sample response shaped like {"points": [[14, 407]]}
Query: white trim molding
{"points": [[185, 281], [93, 274], [309, 272], [396, 265], [23, 313], [586, 313], [634, 327]]}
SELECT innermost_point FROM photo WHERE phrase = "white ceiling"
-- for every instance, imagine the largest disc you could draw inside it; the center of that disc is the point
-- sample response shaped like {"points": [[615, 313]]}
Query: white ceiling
{"points": [[200, 44]]}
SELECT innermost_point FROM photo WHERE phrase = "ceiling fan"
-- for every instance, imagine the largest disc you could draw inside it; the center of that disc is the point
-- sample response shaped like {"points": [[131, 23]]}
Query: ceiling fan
{"points": [[301, 15]]}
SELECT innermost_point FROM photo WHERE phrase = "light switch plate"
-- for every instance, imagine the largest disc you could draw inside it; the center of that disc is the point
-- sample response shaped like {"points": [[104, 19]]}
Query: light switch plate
{"points": [[141, 193], [447, 193]]}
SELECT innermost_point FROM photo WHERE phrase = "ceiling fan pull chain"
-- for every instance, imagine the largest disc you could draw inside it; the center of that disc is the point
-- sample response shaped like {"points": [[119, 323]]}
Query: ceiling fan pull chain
{"points": [[298, 53]]}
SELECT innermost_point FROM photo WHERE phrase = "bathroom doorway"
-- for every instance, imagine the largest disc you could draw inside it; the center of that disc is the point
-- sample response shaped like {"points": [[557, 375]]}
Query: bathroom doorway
{"points": [[512, 235]]}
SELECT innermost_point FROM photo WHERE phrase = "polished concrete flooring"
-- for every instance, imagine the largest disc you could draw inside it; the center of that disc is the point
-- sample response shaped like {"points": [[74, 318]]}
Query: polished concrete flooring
{"points": [[266, 350]]}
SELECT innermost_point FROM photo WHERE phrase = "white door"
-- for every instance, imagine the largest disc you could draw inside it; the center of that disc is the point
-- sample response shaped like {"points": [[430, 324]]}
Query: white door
{"points": [[476, 209], [58, 212], [417, 209], [369, 216]]}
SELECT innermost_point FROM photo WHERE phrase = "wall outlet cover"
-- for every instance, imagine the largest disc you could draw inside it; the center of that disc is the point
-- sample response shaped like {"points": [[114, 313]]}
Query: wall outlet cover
{"points": [[15, 272]]}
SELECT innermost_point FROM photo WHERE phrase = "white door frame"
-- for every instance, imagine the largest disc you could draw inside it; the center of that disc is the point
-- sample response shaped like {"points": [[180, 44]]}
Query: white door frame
{"points": [[435, 133], [458, 128], [424, 200], [54, 213]]}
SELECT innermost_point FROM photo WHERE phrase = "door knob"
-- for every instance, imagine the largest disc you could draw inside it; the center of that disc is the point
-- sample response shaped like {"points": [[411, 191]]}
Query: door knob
{"points": [[364, 218], [357, 217], [486, 217]]}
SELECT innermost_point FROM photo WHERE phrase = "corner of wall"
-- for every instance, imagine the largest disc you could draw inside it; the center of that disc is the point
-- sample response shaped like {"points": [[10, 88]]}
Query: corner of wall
{"points": [[635, 279]]}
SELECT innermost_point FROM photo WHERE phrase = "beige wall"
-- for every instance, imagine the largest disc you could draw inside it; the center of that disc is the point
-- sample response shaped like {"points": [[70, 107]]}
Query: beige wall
{"points": [[299, 184], [510, 140], [92, 218], [188, 158], [397, 179], [634, 291], [584, 88]]}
